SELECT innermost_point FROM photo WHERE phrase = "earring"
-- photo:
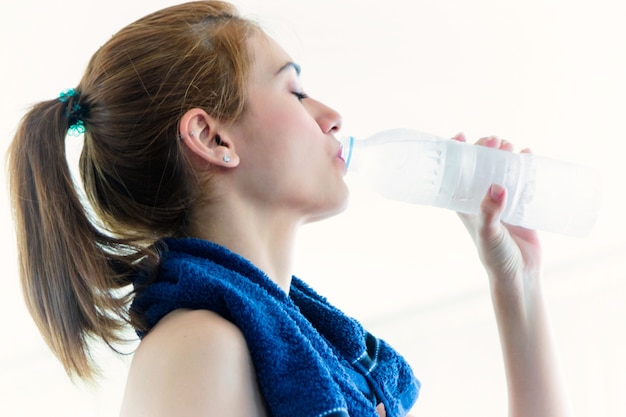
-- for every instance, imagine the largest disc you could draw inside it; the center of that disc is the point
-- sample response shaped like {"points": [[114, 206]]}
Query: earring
{"points": [[181, 137], [226, 158]]}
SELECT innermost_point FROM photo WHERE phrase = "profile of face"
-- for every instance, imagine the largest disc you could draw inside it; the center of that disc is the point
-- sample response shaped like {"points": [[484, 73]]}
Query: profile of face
{"points": [[289, 159]]}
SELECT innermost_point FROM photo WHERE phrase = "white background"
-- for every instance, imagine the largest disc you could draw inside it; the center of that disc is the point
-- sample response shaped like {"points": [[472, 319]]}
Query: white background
{"points": [[548, 74]]}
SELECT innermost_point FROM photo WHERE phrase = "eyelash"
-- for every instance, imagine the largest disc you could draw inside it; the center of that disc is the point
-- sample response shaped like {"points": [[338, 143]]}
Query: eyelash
{"points": [[300, 96]]}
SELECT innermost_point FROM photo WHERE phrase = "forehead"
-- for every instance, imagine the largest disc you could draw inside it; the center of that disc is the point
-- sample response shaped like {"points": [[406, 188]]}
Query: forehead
{"points": [[267, 55]]}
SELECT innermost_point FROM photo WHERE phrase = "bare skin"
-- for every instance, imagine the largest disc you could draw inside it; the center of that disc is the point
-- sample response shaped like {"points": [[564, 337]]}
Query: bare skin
{"points": [[512, 258]]}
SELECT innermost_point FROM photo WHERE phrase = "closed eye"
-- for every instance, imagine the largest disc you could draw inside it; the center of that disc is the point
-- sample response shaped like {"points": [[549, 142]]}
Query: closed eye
{"points": [[300, 96]]}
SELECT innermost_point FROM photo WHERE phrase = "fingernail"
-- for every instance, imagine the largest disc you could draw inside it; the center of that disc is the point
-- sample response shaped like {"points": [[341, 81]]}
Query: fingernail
{"points": [[497, 192], [460, 137], [493, 141]]}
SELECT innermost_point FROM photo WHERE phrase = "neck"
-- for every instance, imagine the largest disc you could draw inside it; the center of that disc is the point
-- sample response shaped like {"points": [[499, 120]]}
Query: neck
{"points": [[264, 238]]}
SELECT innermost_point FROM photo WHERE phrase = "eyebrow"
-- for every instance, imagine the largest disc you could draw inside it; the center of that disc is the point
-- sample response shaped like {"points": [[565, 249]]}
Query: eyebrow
{"points": [[288, 65]]}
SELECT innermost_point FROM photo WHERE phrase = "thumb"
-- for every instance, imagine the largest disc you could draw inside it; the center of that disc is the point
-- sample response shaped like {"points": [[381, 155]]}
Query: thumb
{"points": [[495, 248], [493, 204]]}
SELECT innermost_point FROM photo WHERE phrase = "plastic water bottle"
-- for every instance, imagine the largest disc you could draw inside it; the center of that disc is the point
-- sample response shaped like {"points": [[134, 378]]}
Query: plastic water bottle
{"points": [[414, 167]]}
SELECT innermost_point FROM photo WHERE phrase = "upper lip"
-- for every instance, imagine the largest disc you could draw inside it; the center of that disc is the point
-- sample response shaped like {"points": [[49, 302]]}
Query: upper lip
{"points": [[339, 148]]}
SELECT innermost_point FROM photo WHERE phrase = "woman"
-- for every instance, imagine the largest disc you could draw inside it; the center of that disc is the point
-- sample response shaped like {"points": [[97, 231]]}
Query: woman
{"points": [[202, 158]]}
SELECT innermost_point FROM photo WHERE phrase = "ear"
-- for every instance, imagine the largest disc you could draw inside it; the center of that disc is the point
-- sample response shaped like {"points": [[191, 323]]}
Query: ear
{"points": [[200, 133]]}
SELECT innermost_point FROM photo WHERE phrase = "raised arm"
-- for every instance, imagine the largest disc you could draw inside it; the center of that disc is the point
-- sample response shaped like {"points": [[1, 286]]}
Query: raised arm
{"points": [[512, 258]]}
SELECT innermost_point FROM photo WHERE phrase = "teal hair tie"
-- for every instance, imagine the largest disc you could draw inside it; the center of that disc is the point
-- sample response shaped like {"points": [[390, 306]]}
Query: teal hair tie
{"points": [[75, 113], [76, 129], [67, 94]]}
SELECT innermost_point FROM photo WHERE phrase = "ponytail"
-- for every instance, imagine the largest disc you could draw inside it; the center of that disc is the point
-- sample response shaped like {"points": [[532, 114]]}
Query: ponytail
{"points": [[66, 272], [77, 260]]}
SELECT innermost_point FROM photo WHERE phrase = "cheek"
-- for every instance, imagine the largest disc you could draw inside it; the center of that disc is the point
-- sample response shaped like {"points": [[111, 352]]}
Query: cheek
{"points": [[280, 128]]}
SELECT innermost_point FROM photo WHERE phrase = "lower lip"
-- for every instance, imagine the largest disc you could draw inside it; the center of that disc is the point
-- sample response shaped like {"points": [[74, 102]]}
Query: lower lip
{"points": [[343, 164], [339, 155]]}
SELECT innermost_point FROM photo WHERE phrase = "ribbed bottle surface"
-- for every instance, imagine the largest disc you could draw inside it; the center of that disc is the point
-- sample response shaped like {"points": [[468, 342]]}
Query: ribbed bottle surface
{"points": [[415, 167]]}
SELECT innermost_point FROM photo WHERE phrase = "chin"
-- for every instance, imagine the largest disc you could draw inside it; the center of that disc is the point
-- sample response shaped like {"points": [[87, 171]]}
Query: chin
{"points": [[330, 211]]}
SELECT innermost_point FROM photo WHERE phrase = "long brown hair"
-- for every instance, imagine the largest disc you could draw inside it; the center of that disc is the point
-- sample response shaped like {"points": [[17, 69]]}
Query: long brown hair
{"points": [[76, 258]]}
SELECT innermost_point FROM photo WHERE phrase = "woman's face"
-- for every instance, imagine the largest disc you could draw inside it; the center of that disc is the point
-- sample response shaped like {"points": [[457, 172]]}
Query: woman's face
{"points": [[289, 157]]}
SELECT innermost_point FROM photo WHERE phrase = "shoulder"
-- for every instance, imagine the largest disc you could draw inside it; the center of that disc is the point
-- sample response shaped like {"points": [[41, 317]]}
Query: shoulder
{"points": [[198, 332], [192, 363]]}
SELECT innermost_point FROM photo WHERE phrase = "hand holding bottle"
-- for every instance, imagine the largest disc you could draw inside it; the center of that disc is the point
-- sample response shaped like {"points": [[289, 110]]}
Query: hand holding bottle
{"points": [[505, 250], [512, 257]]}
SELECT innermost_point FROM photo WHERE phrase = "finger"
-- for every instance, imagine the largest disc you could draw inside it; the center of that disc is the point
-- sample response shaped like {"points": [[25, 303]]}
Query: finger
{"points": [[491, 209], [487, 222], [494, 142], [497, 143], [460, 137], [505, 145], [489, 141]]}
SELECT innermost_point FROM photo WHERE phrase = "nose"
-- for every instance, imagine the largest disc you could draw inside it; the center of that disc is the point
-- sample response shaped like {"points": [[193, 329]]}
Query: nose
{"points": [[328, 119]]}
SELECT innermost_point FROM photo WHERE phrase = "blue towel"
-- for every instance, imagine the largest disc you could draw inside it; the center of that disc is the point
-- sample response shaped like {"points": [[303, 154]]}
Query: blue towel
{"points": [[311, 360]]}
